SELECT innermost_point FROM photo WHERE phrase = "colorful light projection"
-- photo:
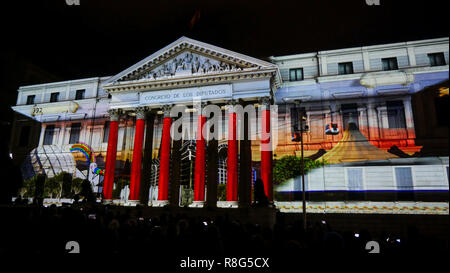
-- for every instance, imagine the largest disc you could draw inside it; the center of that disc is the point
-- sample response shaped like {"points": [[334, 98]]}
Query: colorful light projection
{"points": [[90, 156]]}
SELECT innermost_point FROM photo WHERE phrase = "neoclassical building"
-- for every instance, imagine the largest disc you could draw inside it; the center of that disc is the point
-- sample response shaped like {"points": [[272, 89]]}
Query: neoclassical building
{"points": [[359, 105]]}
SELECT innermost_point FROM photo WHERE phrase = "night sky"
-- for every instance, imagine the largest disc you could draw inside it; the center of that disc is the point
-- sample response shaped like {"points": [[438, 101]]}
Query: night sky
{"points": [[48, 40]]}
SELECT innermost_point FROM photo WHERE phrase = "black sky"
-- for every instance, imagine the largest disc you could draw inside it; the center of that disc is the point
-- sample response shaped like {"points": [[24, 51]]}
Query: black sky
{"points": [[48, 40], [103, 37]]}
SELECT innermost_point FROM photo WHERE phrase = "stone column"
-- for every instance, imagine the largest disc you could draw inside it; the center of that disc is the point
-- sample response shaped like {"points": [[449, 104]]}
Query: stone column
{"points": [[266, 148], [212, 169], [147, 159], [232, 156], [61, 134], [164, 168], [136, 163], [111, 155], [42, 135], [245, 163], [200, 168], [372, 119], [362, 120], [409, 118]]}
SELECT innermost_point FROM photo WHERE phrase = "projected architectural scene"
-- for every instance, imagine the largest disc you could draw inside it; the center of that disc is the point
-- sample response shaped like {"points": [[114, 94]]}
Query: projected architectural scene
{"points": [[194, 124]]}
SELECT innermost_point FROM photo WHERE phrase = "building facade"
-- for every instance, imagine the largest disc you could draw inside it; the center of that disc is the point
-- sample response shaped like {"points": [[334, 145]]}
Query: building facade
{"points": [[364, 110]]}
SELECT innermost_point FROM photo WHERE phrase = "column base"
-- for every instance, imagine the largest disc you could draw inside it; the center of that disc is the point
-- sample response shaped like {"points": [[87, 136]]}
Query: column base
{"points": [[107, 201], [132, 203], [197, 204], [229, 204], [160, 203]]}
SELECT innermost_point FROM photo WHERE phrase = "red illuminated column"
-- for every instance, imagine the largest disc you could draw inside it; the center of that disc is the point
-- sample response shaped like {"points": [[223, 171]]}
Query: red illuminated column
{"points": [[135, 181], [266, 148], [163, 186], [199, 176], [108, 182], [232, 157]]}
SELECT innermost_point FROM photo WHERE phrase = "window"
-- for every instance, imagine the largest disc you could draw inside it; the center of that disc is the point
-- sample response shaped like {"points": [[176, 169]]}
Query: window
{"points": [[222, 170], [396, 114], [355, 179], [296, 115], [405, 188], [75, 133], [436, 59], [48, 135], [106, 132], [24, 136], [349, 114], [296, 74], [389, 64], [80, 94], [403, 176], [355, 184], [30, 99], [345, 68], [54, 97]]}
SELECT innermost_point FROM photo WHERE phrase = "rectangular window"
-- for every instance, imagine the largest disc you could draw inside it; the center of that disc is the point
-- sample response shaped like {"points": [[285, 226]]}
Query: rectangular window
{"points": [[355, 179], [389, 64], [349, 114], [80, 94], [396, 114], [30, 99], [355, 184], [405, 188], [436, 59], [106, 132], [298, 125], [403, 175], [75, 133], [296, 74], [345, 68], [24, 136], [54, 97], [48, 135]]}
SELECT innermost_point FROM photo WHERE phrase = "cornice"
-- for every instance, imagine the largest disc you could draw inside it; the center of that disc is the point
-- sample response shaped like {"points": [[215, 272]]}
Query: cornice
{"points": [[178, 82]]}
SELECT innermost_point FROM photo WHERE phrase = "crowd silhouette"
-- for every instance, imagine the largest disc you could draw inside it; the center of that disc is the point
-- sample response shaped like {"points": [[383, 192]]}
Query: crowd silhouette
{"points": [[31, 228]]}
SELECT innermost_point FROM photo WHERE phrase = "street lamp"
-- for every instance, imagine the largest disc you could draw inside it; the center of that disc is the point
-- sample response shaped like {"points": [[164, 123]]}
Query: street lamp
{"points": [[302, 128]]}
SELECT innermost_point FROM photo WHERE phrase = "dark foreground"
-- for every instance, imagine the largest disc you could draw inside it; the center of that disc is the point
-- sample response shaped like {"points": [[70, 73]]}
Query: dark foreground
{"points": [[170, 236]]}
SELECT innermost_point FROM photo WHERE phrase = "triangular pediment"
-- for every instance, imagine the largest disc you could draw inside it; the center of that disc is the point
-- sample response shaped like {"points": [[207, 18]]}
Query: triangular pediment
{"points": [[186, 58]]}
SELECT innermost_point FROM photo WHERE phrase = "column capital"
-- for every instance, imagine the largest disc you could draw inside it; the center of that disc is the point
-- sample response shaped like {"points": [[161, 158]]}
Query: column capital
{"points": [[166, 110], [114, 114], [407, 99], [200, 105], [231, 103], [141, 111], [265, 103]]}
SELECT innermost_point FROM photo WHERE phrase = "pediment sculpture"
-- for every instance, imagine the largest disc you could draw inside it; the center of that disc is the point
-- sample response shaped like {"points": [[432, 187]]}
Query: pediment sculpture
{"points": [[189, 63]]}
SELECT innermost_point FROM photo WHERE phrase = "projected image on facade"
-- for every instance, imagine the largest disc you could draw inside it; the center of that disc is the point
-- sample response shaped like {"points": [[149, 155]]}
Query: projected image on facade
{"points": [[374, 128]]}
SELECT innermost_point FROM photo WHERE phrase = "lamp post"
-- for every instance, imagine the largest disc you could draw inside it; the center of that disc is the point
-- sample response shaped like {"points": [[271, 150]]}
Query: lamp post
{"points": [[297, 103]]}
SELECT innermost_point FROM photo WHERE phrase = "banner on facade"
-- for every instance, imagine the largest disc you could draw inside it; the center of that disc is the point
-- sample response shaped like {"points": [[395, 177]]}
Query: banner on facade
{"points": [[187, 94]]}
